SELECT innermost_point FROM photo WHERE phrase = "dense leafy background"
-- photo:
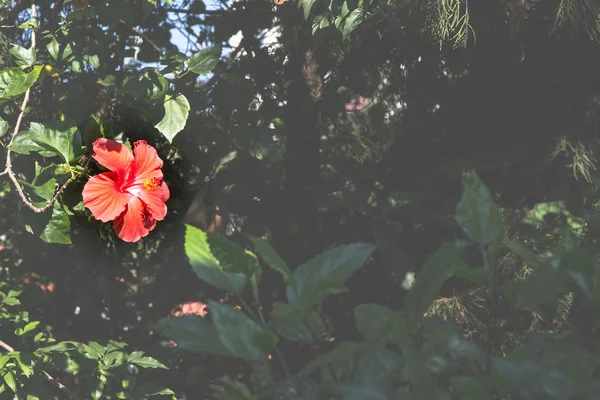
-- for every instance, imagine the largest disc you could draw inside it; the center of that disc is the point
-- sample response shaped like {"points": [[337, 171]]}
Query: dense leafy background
{"points": [[372, 199]]}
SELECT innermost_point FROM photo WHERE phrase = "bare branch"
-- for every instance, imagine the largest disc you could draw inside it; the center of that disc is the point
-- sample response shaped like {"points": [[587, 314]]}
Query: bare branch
{"points": [[144, 36], [9, 169]]}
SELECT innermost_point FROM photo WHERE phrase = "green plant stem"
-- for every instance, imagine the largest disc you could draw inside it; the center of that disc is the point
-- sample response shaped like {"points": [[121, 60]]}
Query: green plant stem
{"points": [[263, 322]]}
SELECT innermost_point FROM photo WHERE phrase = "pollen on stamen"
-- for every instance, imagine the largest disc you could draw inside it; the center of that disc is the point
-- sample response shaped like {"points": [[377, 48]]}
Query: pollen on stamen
{"points": [[152, 183]]}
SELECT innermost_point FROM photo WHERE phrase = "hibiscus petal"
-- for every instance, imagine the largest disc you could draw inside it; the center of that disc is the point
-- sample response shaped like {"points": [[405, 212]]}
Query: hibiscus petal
{"points": [[112, 155], [154, 199], [102, 197], [135, 223], [147, 161]]}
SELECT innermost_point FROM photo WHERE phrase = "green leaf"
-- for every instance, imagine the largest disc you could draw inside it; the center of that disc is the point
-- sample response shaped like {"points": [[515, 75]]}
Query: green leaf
{"points": [[205, 60], [9, 379], [53, 48], [242, 336], [61, 347], [323, 275], [193, 333], [33, 23], [23, 144], [146, 389], [526, 255], [27, 328], [148, 84], [144, 362], [60, 137], [376, 365], [477, 214], [94, 349], [230, 389], [478, 276], [58, 229], [353, 21], [375, 321], [3, 127], [13, 81], [207, 267], [113, 345], [176, 113], [293, 323], [23, 56], [437, 269], [343, 352], [114, 359], [270, 256], [307, 5]]}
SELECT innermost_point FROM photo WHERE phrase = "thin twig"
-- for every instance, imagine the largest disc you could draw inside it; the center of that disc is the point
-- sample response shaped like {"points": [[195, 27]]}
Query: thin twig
{"points": [[9, 170], [50, 378], [143, 36]]}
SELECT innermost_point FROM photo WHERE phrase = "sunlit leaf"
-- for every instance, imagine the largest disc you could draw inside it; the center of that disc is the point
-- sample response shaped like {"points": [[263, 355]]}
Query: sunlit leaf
{"points": [[62, 138], [223, 275], [176, 113], [205, 60]]}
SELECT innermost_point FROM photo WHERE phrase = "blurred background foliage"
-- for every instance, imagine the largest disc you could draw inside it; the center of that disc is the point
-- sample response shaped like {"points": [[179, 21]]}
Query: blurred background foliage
{"points": [[314, 124]]}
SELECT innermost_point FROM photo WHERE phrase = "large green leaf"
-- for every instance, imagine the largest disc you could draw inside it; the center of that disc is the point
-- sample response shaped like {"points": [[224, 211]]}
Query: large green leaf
{"points": [[376, 365], [270, 256], [23, 144], [325, 274], [13, 81], [231, 257], [205, 60], [23, 56], [377, 322], [552, 279], [59, 137], [176, 113], [437, 269], [343, 352], [307, 6], [58, 229], [193, 333], [477, 213], [239, 334], [353, 21], [297, 324], [224, 276]]}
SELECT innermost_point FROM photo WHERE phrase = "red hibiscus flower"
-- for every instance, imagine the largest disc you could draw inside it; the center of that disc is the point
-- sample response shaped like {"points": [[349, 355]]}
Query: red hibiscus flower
{"points": [[133, 194]]}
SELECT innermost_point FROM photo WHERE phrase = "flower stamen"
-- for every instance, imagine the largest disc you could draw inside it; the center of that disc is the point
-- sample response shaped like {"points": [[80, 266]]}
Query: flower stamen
{"points": [[152, 183]]}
